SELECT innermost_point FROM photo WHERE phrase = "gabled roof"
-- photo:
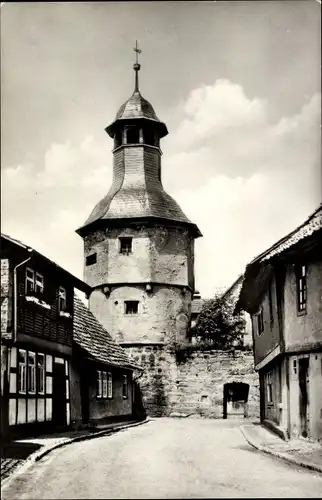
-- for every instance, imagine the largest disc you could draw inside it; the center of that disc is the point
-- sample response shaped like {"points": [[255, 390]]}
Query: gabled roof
{"points": [[312, 224], [259, 271], [81, 285], [91, 336]]}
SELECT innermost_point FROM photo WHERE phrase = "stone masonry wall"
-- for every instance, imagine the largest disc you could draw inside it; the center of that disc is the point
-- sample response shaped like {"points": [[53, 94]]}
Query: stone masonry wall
{"points": [[196, 386]]}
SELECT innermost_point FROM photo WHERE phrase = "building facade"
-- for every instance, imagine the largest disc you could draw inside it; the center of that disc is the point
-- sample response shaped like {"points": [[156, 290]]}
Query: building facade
{"points": [[282, 291], [139, 252]]}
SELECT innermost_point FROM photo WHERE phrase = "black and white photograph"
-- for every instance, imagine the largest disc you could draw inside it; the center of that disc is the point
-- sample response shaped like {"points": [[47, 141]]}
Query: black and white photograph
{"points": [[161, 249]]}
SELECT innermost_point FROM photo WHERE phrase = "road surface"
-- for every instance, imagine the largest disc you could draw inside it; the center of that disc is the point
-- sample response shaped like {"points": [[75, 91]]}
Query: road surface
{"points": [[165, 458]]}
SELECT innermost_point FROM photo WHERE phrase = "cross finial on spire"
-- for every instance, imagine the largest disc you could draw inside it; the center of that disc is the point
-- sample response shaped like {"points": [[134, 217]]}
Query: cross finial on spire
{"points": [[137, 66]]}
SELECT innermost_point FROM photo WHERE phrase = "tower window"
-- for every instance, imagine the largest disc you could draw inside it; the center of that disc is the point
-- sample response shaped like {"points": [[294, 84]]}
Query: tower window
{"points": [[131, 306], [133, 136], [125, 246], [91, 259]]}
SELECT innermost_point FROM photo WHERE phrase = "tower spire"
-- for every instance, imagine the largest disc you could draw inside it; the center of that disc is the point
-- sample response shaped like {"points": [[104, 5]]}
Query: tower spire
{"points": [[136, 66]]}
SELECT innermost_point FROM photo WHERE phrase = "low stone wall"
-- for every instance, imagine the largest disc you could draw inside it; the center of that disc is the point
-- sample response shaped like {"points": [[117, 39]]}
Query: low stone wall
{"points": [[201, 379], [196, 386]]}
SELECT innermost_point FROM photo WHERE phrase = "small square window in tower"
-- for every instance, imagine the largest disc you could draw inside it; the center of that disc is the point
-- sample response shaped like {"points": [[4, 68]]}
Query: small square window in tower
{"points": [[91, 259], [131, 306], [125, 246]]}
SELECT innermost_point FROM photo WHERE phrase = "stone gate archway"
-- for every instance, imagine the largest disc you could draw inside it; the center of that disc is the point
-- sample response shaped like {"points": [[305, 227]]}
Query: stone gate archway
{"points": [[235, 400]]}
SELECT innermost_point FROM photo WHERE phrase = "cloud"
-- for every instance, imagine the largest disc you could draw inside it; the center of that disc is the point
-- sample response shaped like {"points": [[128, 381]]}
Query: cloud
{"points": [[244, 177]]}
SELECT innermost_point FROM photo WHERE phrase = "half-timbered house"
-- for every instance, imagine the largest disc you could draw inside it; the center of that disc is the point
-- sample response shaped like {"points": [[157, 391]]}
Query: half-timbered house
{"points": [[37, 309]]}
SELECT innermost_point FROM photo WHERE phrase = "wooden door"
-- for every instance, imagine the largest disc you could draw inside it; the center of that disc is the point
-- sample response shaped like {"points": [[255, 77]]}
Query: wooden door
{"points": [[304, 395], [59, 394]]}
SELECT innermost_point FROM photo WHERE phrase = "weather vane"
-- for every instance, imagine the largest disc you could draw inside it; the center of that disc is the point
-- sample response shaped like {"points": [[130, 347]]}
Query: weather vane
{"points": [[137, 66]]}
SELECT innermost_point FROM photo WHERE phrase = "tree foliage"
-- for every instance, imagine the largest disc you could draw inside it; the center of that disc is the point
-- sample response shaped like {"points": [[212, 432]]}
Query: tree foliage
{"points": [[218, 326]]}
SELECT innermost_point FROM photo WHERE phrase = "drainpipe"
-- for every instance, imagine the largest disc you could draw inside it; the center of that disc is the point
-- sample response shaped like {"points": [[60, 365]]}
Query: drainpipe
{"points": [[15, 294]]}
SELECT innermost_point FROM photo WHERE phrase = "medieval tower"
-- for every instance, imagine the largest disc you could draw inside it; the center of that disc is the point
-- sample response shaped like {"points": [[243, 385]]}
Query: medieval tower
{"points": [[139, 253]]}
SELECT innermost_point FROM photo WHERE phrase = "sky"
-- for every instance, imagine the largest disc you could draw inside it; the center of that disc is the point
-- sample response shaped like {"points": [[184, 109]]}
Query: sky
{"points": [[237, 83]]}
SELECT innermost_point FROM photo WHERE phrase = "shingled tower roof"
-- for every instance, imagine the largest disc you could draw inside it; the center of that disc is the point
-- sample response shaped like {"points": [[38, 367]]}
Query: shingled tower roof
{"points": [[136, 194]]}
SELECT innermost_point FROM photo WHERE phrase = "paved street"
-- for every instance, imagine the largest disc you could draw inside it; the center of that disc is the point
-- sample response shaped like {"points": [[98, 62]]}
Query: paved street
{"points": [[165, 458]]}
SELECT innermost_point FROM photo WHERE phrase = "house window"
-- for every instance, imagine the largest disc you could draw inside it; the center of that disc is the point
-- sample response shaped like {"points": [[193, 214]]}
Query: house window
{"points": [[41, 373], [260, 321], [30, 280], [133, 136], [301, 272], [22, 370], [62, 301], [269, 386], [125, 246], [131, 306], [31, 378], [91, 259], [109, 385], [270, 302], [125, 387], [34, 282], [99, 388], [39, 283], [104, 385]]}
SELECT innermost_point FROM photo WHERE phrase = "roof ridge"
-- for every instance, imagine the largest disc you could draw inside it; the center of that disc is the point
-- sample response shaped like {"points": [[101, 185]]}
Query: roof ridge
{"points": [[289, 235]]}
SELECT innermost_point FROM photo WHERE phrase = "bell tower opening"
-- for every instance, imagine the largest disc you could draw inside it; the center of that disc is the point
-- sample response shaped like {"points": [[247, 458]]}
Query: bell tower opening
{"points": [[133, 135], [118, 139]]}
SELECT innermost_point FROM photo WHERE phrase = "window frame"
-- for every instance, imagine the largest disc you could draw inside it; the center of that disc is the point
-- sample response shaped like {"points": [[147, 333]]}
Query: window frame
{"points": [[99, 384], [260, 321], [125, 386], [29, 279], [269, 389], [91, 259], [109, 385], [62, 297], [270, 303], [127, 307], [40, 368], [31, 373], [22, 388], [301, 288], [104, 387], [37, 282], [128, 249]]}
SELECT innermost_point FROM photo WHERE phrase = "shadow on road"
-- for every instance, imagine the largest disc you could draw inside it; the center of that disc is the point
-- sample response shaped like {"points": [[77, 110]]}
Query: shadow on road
{"points": [[18, 450]]}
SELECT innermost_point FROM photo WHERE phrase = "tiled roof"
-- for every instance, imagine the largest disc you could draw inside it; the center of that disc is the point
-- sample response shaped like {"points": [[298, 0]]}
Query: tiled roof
{"points": [[259, 271], [91, 336], [81, 285], [310, 226]]}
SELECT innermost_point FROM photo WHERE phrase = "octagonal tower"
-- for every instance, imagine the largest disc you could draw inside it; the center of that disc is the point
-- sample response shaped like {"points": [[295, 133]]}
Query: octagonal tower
{"points": [[139, 251]]}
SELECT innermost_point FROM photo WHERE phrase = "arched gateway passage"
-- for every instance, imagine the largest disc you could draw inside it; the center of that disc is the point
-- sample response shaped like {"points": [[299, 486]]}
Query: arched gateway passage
{"points": [[235, 400]]}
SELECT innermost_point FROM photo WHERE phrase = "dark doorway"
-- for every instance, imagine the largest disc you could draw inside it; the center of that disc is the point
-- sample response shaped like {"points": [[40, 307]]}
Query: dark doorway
{"points": [[235, 400], [304, 395], [85, 397], [59, 395], [138, 409]]}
